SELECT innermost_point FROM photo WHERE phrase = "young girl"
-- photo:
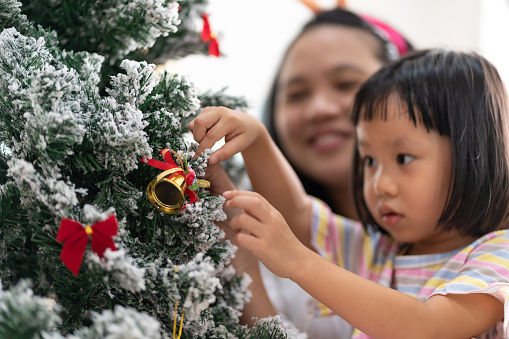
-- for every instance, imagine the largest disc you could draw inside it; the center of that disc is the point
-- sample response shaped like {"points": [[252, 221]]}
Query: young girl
{"points": [[432, 191]]}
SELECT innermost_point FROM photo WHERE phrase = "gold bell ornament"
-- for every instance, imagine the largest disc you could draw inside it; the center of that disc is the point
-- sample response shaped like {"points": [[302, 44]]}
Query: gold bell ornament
{"points": [[167, 191]]}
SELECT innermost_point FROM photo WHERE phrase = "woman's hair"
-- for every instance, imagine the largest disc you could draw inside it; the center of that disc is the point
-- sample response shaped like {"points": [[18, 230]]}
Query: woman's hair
{"points": [[385, 53], [461, 96]]}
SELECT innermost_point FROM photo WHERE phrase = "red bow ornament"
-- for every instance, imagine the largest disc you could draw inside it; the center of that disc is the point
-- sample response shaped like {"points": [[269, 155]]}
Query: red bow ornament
{"points": [[75, 239], [207, 35]]}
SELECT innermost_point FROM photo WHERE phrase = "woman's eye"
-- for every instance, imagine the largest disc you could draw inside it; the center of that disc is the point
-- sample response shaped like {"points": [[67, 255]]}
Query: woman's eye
{"points": [[369, 162], [404, 159], [296, 96], [346, 86]]}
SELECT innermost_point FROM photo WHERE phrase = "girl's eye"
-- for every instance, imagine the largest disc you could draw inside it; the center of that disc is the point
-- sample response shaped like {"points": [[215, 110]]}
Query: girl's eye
{"points": [[369, 162], [404, 159]]}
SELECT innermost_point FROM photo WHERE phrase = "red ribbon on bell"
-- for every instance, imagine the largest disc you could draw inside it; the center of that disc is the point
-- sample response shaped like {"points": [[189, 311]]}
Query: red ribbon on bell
{"points": [[75, 239], [207, 35]]}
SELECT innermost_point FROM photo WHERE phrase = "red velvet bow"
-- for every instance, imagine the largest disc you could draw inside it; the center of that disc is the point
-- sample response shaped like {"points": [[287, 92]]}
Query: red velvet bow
{"points": [[207, 35], [169, 164], [75, 239]]}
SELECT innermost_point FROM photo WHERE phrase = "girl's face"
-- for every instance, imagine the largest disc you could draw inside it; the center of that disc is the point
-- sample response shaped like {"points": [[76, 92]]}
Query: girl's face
{"points": [[406, 179], [321, 75]]}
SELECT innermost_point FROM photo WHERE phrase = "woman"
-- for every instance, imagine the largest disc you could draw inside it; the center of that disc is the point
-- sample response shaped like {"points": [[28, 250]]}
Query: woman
{"points": [[308, 108]]}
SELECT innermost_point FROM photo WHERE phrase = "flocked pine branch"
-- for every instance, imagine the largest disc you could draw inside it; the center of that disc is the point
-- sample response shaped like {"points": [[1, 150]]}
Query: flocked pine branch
{"points": [[72, 140], [185, 41]]}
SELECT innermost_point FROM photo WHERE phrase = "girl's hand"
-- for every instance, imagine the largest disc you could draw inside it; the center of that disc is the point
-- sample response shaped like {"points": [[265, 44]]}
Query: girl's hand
{"points": [[239, 129], [263, 230]]}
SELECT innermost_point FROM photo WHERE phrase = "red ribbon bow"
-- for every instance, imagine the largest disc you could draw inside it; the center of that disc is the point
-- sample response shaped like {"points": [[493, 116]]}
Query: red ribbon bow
{"points": [[189, 175], [75, 239], [207, 35]]}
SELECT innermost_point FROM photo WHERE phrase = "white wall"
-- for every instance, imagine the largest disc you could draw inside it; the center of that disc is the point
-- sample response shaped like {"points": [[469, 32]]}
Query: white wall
{"points": [[493, 38], [253, 35]]}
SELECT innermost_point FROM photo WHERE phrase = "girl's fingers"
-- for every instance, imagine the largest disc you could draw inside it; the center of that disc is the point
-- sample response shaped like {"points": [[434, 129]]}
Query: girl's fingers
{"points": [[200, 128], [214, 134], [199, 125], [245, 222], [212, 125], [247, 241], [252, 203], [228, 150]]}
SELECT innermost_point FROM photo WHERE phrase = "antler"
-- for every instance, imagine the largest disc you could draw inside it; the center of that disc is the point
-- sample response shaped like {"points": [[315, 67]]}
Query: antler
{"points": [[316, 8], [341, 3], [312, 5]]}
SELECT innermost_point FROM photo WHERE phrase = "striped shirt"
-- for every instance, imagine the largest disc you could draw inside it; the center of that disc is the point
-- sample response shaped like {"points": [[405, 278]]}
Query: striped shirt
{"points": [[481, 267]]}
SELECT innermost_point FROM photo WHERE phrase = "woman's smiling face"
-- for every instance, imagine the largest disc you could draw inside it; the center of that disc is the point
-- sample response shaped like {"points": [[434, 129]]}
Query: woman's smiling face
{"points": [[317, 85]]}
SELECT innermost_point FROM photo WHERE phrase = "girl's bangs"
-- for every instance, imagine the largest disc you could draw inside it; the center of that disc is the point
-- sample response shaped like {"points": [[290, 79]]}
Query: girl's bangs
{"points": [[376, 106]]}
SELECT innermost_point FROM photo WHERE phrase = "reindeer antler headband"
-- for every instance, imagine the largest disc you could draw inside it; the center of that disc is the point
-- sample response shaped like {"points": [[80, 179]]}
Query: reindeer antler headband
{"points": [[398, 44]]}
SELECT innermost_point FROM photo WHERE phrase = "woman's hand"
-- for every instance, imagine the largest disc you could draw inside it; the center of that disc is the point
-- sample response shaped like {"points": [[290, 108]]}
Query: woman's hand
{"points": [[239, 129]]}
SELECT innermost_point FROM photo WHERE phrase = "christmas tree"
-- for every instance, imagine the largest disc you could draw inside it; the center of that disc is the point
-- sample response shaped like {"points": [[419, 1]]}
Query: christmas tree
{"points": [[84, 251]]}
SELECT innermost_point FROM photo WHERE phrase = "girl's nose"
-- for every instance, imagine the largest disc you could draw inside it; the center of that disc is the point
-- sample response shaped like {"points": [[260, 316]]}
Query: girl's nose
{"points": [[385, 184]]}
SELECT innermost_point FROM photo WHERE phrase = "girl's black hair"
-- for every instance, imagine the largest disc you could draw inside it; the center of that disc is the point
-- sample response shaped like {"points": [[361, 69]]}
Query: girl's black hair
{"points": [[461, 96], [333, 17]]}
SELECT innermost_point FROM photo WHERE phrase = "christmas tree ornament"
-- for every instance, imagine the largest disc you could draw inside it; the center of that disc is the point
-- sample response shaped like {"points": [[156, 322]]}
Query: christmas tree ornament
{"points": [[213, 46], [175, 322], [175, 317], [207, 35], [205, 32], [75, 239], [167, 191]]}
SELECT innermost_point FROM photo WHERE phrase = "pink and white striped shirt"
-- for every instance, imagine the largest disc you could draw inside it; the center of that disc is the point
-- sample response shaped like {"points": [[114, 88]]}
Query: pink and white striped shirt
{"points": [[481, 267]]}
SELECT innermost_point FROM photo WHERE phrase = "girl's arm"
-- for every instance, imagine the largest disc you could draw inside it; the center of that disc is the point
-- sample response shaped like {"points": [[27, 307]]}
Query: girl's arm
{"points": [[382, 312], [269, 172], [376, 310]]}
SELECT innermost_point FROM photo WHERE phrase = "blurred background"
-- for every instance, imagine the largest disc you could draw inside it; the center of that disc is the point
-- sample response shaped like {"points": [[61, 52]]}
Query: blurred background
{"points": [[253, 35]]}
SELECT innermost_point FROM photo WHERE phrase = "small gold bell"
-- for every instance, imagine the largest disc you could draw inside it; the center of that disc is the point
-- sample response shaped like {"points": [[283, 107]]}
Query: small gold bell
{"points": [[167, 193]]}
